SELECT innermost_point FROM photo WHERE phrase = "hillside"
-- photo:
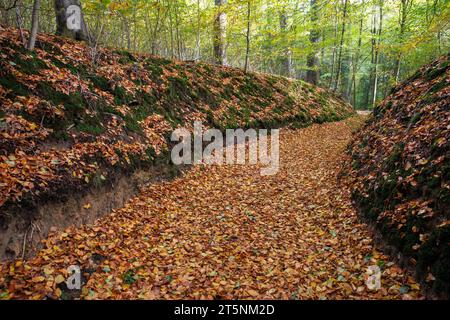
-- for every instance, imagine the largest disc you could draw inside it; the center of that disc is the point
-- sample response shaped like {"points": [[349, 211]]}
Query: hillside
{"points": [[74, 119], [401, 166]]}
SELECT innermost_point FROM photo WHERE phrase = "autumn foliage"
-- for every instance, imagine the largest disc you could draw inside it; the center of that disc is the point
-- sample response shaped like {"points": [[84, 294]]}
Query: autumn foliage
{"points": [[73, 116], [401, 166]]}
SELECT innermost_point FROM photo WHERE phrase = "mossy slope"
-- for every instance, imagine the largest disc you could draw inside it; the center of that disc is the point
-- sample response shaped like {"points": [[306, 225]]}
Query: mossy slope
{"points": [[71, 117], [401, 166]]}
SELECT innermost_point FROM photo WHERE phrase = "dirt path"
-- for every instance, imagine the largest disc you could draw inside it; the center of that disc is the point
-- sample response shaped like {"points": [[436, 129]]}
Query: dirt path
{"points": [[227, 232]]}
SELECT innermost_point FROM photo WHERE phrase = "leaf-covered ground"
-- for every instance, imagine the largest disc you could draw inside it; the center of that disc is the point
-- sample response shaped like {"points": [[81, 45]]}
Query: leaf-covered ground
{"points": [[72, 117], [401, 170], [226, 232]]}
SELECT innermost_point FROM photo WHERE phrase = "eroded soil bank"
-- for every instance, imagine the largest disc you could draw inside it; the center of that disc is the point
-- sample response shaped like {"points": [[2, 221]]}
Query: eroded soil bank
{"points": [[23, 227]]}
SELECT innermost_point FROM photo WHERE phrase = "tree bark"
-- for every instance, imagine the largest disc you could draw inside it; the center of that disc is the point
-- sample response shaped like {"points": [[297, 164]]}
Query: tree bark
{"points": [[356, 59], [197, 36], [339, 62], [287, 59], [377, 57], [62, 16], [312, 73], [247, 51], [220, 33], [34, 24], [333, 59], [404, 7]]}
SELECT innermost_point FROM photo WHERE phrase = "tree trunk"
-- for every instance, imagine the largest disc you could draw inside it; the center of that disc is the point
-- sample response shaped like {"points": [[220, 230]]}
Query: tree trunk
{"points": [[70, 20], [312, 73], [333, 58], [220, 33], [404, 7], [356, 60], [287, 59], [339, 62], [34, 24], [197, 37], [377, 56], [19, 22], [247, 51]]}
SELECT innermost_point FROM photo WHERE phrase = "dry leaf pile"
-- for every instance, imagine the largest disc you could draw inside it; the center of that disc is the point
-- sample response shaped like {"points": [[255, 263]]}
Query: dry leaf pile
{"points": [[72, 117], [226, 232]]}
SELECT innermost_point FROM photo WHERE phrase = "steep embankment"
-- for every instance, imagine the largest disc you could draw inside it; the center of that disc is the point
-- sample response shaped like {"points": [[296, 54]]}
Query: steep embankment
{"points": [[401, 163], [75, 119]]}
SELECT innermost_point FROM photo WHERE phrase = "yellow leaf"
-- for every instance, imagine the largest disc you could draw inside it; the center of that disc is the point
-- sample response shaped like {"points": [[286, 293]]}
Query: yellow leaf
{"points": [[58, 292], [59, 279], [252, 292], [48, 271], [38, 279]]}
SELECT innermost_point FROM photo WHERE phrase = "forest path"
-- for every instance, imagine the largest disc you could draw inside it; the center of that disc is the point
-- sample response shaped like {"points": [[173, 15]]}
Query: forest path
{"points": [[228, 232]]}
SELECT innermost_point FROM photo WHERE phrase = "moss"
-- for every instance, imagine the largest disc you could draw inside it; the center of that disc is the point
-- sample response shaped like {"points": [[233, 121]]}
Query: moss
{"points": [[121, 96], [9, 81], [394, 157], [434, 257], [49, 47], [207, 97], [91, 125], [252, 87], [289, 101], [60, 135], [125, 56], [101, 83], [415, 118], [154, 66], [27, 62], [439, 85], [179, 89], [73, 103], [433, 73]]}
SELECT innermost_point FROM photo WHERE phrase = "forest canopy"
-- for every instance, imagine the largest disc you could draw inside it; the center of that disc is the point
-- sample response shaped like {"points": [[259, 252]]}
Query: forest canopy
{"points": [[358, 48]]}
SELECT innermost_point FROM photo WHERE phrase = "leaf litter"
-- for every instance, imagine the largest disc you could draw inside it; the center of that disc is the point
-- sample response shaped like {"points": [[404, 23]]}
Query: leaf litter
{"points": [[225, 232]]}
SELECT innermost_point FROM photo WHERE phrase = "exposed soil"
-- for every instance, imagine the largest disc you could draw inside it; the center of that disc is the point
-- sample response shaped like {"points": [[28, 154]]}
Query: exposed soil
{"points": [[23, 228]]}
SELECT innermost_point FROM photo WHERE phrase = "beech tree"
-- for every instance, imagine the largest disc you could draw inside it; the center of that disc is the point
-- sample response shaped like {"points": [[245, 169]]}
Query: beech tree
{"points": [[220, 33], [337, 44], [66, 11], [312, 74], [34, 24]]}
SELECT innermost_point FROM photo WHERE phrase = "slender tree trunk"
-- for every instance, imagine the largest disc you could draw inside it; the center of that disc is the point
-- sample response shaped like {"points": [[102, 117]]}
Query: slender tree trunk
{"points": [[19, 22], [155, 31], [356, 59], [404, 7], [333, 58], [177, 32], [220, 33], [312, 73], [197, 40], [126, 25], [172, 52], [377, 56], [247, 51], [287, 59], [135, 32], [339, 62], [34, 24]]}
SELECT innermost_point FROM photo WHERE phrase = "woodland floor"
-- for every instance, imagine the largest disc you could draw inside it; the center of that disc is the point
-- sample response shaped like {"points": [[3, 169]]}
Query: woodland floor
{"points": [[227, 232]]}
